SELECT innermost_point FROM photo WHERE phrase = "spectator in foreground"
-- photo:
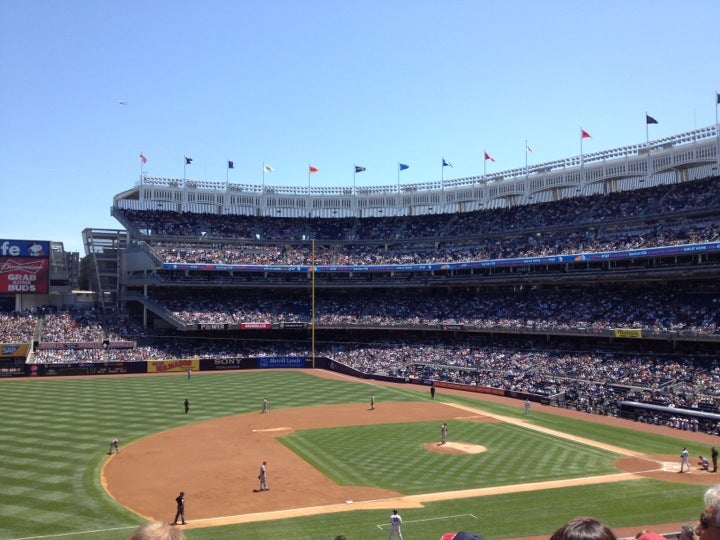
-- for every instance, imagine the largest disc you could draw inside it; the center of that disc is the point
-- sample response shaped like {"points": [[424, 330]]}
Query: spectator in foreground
{"points": [[583, 528], [709, 526]]}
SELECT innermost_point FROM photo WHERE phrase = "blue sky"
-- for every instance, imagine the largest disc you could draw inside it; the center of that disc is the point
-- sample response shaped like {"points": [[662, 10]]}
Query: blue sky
{"points": [[327, 83]]}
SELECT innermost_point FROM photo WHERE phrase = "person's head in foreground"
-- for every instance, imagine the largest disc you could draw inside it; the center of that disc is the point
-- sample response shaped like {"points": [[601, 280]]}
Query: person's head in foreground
{"points": [[583, 528], [709, 525], [156, 530]]}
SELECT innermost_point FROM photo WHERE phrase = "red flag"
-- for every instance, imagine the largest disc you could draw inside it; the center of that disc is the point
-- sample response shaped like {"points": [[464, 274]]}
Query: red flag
{"points": [[313, 169], [143, 158], [584, 134], [488, 156]]}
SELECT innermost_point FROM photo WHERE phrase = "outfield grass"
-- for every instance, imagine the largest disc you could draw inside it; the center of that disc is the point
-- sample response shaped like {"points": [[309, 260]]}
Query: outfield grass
{"points": [[54, 437]]}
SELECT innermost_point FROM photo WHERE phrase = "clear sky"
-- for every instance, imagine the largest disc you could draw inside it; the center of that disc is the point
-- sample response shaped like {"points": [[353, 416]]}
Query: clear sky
{"points": [[329, 83]]}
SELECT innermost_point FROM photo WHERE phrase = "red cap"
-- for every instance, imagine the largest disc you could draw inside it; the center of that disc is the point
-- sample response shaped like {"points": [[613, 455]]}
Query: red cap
{"points": [[652, 536]]}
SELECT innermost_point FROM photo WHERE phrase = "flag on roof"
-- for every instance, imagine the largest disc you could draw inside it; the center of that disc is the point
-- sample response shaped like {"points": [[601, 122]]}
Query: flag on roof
{"points": [[402, 166], [584, 134], [143, 158], [359, 169], [529, 149], [313, 169], [188, 160], [717, 95], [231, 165], [267, 168], [488, 156], [446, 163], [649, 119]]}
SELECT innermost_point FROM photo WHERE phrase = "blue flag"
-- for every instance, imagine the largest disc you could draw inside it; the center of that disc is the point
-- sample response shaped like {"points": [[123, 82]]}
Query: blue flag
{"points": [[446, 163], [403, 166], [649, 119]]}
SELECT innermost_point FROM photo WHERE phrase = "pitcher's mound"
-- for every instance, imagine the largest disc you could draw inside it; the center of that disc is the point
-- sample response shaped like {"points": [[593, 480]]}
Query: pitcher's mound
{"points": [[455, 448]]}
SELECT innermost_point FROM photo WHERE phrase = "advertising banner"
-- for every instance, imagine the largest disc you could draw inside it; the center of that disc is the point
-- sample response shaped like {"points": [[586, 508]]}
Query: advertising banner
{"points": [[256, 326], [24, 266], [13, 350], [24, 275], [281, 362], [628, 333], [165, 366]]}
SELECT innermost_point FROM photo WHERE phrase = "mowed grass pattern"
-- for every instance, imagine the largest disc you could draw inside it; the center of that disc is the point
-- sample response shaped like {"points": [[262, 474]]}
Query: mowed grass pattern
{"points": [[393, 456], [54, 437]]}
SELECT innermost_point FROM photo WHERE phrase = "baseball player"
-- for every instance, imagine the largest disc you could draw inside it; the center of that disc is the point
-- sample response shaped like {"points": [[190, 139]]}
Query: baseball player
{"points": [[114, 444], [263, 477], [265, 405], [395, 522], [372, 401], [443, 433], [684, 460]]}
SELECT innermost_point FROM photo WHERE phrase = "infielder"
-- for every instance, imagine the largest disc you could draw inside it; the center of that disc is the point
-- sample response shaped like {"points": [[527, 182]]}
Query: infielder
{"points": [[114, 444], [263, 477]]}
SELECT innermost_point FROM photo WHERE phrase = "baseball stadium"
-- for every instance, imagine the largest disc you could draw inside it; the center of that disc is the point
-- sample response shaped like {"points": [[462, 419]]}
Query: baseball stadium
{"points": [[563, 320]]}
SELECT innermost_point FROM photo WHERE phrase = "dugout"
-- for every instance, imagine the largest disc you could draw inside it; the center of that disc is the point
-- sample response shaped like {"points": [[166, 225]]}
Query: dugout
{"points": [[707, 422]]}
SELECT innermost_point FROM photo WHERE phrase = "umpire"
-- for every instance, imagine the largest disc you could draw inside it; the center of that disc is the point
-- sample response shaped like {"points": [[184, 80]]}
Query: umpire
{"points": [[180, 500]]}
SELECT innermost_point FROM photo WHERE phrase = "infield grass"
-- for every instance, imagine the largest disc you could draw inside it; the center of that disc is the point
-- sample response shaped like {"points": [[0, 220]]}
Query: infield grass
{"points": [[54, 437]]}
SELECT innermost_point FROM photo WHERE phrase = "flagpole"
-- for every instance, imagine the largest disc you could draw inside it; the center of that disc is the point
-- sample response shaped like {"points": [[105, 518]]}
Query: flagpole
{"points": [[526, 161], [263, 177], [647, 139], [484, 165], [227, 175], [582, 164], [717, 130], [398, 171], [354, 173]]}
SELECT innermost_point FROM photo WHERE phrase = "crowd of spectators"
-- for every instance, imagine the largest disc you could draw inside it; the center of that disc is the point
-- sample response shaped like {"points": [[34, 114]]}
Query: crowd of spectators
{"points": [[653, 309], [18, 327], [71, 324], [640, 206], [659, 216], [445, 250]]}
